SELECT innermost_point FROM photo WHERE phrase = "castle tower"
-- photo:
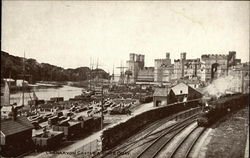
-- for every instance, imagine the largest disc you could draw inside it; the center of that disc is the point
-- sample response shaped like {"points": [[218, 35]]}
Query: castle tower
{"points": [[132, 57], [167, 55], [183, 58], [137, 57]]}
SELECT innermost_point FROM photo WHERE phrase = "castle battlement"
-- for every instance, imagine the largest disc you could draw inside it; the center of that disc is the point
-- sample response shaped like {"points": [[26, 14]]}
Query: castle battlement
{"points": [[212, 56]]}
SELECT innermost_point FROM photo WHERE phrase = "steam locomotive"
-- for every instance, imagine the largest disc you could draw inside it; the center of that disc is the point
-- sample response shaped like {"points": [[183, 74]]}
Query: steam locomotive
{"points": [[215, 108]]}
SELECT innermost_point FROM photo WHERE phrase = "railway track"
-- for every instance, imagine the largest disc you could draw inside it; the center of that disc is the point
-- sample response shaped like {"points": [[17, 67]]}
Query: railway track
{"points": [[153, 149], [147, 135], [184, 147]]}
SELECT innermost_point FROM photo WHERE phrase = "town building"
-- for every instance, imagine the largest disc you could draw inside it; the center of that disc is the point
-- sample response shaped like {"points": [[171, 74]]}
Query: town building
{"points": [[240, 76]]}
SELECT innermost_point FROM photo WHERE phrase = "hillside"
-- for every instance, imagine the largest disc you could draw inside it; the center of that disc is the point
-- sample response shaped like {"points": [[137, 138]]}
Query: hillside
{"points": [[34, 71]]}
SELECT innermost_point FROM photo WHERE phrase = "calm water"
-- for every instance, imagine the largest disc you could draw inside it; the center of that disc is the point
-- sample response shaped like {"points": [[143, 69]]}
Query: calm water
{"points": [[65, 91]]}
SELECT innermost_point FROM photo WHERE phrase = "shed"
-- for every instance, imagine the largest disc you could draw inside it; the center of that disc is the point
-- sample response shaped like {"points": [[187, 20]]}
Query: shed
{"points": [[183, 92], [160, 96], [16, 136]]}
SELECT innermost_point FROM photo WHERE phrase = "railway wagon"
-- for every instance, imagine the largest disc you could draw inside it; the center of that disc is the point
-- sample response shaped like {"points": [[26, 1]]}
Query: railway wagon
{"points": [[220, 107], [47, 141], [53, 120], [69, 129]]}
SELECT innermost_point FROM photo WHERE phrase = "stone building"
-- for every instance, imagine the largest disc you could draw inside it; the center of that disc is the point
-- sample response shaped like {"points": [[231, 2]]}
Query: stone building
{"points": [[240, 75], [162, 69], [216, 65], [146, 75], [205, 69], [134, 65], [188, 68]]}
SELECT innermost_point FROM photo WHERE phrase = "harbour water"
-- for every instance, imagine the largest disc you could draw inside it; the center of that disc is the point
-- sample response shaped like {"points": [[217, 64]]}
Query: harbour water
{"points": [[65, 91]]}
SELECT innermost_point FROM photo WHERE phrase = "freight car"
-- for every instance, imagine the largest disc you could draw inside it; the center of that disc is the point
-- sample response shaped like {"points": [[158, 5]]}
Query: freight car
{"points": [[69, 128], [53, 120], [47, 140], [216, 108]]}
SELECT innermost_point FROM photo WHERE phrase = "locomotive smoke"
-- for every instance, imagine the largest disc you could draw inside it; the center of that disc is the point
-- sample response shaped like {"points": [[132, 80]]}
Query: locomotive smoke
{"points": [[221, 86]]}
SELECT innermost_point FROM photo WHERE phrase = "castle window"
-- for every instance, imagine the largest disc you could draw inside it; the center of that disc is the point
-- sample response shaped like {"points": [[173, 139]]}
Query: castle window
{"points": [[181, 91]]}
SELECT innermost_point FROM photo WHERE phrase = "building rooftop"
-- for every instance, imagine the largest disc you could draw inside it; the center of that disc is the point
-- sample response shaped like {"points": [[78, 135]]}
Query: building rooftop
{"points": [[180, 89], [10, 127], [160, 92]]}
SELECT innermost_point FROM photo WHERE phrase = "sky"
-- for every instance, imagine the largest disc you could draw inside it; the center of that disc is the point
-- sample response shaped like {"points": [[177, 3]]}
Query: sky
{"points": [[72, 34]]}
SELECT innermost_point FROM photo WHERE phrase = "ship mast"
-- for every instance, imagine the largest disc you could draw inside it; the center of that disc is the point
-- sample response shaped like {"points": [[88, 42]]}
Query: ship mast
{"points": [[9, 84], [23, 79]]}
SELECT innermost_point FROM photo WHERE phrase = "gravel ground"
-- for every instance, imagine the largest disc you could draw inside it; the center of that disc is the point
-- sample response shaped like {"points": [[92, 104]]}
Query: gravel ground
{"points": [[228, 140]]}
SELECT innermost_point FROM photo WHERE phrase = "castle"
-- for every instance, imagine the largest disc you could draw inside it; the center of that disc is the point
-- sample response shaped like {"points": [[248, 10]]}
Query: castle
{"points": [[204, 69]]}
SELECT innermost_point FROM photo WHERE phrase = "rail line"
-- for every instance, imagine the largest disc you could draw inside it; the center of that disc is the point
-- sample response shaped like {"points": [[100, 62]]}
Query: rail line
{"points": [[160, 142], [150, 131], [187, 143]]}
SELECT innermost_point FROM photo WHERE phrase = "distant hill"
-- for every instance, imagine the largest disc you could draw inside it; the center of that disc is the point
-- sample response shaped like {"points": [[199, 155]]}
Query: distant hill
{"points": [[34, 71]]}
